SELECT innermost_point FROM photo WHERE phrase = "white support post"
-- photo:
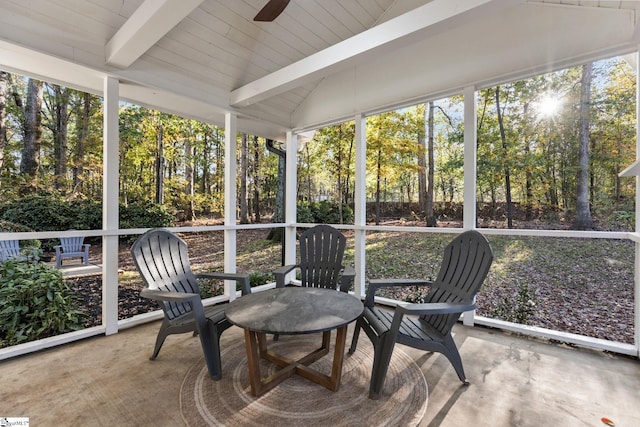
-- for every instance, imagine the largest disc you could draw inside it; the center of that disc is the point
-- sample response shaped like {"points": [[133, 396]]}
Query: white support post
{"points": [[110, 177], [470, 150], [230, 202], [360, 202], [636, 340], [470, 166], [290, 192]]}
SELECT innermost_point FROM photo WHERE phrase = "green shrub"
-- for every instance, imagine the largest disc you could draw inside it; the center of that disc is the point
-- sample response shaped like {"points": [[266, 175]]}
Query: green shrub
{"points": [[35, 303], [304, 213], [145, 214], [10, 227], [48, 212], [323, 212], [259, 279], [88, 215], [626, 218], [40, 212]]}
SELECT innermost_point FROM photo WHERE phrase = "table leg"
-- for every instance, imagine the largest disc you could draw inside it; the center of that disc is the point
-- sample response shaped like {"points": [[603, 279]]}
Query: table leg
{"points": [[256, 345], [332, 382], [338, 357], [251, 340]]}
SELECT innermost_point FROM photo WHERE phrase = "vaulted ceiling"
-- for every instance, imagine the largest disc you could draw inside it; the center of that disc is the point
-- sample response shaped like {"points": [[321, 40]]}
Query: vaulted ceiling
{"points": [[319, 62]]}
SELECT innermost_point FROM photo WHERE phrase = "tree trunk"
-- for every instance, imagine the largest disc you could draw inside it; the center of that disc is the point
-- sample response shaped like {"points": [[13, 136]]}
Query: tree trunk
{"points": [[32, 132], [309, 196], [4, 90], [422, 164], [205, 186], [378, 178], [189, 176], [244, 167], [83, 136], [339, 173], [347, 180], [507, 173], [60, 122], [219, 182], [583, 219], [275, 235], [160, 165], [431, 218], [256, 180], [528, 195]]}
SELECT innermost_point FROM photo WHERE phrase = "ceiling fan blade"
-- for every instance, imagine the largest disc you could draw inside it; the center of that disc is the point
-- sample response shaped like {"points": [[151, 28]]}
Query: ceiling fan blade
{"points": [[271, 10]]}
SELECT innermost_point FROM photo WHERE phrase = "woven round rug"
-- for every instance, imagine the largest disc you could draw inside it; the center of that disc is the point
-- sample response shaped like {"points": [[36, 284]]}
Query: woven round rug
{"points": [[299, 402]]}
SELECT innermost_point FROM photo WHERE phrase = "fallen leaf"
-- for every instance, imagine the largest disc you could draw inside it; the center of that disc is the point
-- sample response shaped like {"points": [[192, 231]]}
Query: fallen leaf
{"points": [[607, 421]]}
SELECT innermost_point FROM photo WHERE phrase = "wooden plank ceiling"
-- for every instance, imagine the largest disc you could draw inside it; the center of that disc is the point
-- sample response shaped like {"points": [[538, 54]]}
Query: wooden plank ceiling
{"points": [[203, 58]]}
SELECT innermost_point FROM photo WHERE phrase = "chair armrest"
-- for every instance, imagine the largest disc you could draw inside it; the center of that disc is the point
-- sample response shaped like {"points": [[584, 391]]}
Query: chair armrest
{"points": [[243, 279], [348, 276], [197, 309], [435, 308], [57, 249], [280, 272], [376, 284], [86, 246], [425, 309], [158, 295]]}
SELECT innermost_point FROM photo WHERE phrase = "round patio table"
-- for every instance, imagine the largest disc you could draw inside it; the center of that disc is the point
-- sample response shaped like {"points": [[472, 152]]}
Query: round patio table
{"points": [[292, 311]]}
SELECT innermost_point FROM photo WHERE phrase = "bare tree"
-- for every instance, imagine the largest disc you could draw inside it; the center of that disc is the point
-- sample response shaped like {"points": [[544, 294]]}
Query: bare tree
{"points": [[58, 125], [583, 220], [82, 129], [4, 89], [160, 164], [507, 171], [256, 179], [189, 174], [244, 166], [431, 218], [275, 235], [30, 161], [422, 163]]}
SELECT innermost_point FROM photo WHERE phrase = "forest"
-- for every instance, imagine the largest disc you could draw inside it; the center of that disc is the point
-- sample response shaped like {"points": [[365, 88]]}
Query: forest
{"points": [[549, 150]]}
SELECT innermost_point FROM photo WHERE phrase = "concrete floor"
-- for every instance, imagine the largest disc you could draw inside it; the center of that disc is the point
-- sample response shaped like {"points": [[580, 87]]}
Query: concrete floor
{"points": [[107, 381]]}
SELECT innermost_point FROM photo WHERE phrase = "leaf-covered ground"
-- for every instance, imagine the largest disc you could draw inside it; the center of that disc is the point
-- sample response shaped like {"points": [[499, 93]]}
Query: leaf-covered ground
{"points": [[582, 286]]}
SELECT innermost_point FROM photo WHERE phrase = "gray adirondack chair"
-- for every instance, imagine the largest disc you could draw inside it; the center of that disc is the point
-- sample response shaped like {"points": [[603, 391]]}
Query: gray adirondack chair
{"points": [[10, 250], [321, 252], [162, 260], [427, 326], [72, 247]]}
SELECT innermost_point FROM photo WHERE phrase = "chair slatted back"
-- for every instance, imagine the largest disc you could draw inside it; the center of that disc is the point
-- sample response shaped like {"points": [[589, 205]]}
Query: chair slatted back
{"points": [[465, 265], [163, 262], [321, 252], [9, 249], [72, 244]]}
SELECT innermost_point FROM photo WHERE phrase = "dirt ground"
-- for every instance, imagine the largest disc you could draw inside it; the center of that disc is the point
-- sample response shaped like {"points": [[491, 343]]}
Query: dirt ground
{"points": [[256, 254]]}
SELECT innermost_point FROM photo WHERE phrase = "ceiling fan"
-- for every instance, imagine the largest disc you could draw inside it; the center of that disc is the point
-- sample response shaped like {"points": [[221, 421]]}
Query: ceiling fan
{"points": [[271, 10]]}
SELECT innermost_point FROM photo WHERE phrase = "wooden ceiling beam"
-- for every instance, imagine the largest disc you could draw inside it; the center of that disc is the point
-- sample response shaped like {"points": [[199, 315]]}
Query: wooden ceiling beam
{"points": [[377, 40], [148, 24]]}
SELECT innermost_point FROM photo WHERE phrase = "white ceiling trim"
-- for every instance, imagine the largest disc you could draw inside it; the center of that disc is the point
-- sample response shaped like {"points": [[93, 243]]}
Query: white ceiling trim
{"points": [[380, 39], [437, 69], [632, 170], [148, 24]]}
